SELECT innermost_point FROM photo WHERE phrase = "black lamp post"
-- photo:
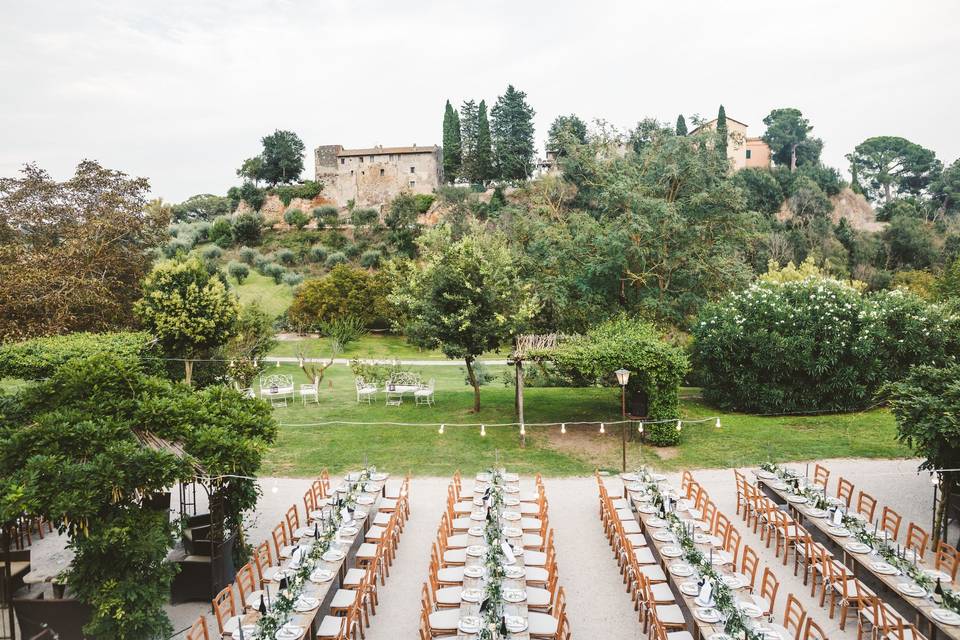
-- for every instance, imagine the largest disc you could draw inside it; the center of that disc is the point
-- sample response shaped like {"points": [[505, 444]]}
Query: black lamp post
{"points": [[623, 376]]}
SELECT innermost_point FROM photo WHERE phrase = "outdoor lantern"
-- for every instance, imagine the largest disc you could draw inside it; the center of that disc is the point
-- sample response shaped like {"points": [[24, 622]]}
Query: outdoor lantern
{"points": [[623, 376], [718, 423], [602, 430], [441, 428], [679, 425], [483, 430], [563, 428]]}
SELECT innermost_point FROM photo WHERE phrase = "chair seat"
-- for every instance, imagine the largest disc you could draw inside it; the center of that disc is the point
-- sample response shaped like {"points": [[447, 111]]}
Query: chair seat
{"points": [[367, 551], [529, 496], [354, 577], [445, 619], [462, 524], [458, 541], [621, 503], [679, 635], [331, 626], [631, 526], [661, 592], [455, 556], [670, 614], [387, 504], [232, 624], [654, 573], [645, 556], [537, 575], [530, 524], [464, 506], [382, 519], [542, 624], [269, 573], [448, 596], [761, 601], [537, 597], [343, 599], [532, 541], [529, 509], [625, 514], [534, 558], [636, 540], [374, 533], [287, 551], [450, 575], [422, 393]]}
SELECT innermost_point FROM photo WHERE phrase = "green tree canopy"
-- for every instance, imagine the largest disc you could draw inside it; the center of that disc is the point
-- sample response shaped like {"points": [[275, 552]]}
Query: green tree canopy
{"points": [[512, 131], [345, 292], [188, 309], [761, 190], [788, 134], [451, 144], [946, 189], [466, 297], [681, 128], [282, 157], [889, 166], [565, 131], [252, 169], [723, 133]]}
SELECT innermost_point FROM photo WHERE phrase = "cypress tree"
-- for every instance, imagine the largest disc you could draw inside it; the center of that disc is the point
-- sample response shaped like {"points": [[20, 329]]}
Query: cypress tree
{"points": [[681, 125], [512, 132], [722, 133], [484, 156], [468, 140], [451, 143]]}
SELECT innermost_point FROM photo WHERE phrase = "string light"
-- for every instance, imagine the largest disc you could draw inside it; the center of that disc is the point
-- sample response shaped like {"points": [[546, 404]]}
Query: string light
{"points": [[523, 430], [441, 428], [483, 430], [601, 428], [718, 423], [640, 429], [933, 478], [563, 428], [679, 425], [274, 488]]}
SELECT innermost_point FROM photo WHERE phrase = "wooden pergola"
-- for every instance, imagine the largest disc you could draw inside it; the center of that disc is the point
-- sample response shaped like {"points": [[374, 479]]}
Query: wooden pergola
{"points": [[525, 346]]}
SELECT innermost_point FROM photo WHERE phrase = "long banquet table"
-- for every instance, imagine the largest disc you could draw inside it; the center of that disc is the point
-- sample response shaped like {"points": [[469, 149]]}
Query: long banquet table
{"points": [[660, 540], [516, 576], [349, 539], [863, 563]]}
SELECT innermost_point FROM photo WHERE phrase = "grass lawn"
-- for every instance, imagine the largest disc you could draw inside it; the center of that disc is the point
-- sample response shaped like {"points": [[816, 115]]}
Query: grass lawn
{"points": [[303, 448], [273, 298], [371, 345]]}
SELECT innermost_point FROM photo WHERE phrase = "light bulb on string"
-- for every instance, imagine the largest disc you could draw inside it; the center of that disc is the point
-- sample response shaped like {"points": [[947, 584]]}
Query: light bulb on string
{"points": [[679, 425], [274, 488], [563, 428], [718, 423], [483, 430], [933, 478], [278, 364], [640, 428], [441, 429], [523, 429], [602, 430]]}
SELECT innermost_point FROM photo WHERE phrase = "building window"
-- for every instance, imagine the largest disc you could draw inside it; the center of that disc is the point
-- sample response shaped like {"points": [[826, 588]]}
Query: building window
{"points": [[361, 158], [412, 169], [343, 160], [363, 173], [381, 172], [413, 183], [371, 159], [748, 154]]}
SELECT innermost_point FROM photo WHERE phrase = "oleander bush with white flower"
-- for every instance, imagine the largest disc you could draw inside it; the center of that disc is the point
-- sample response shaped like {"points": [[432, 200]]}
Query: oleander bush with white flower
{"points": [[816, 344]]}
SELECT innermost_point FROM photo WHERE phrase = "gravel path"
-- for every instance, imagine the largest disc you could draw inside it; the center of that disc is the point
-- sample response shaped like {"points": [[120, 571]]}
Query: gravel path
{"points": [[597, 604]]}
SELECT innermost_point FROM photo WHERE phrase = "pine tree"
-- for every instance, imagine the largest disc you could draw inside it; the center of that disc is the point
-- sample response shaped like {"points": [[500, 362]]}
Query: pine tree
{"points": [[468, 139], [484, 156], [512, 132], [722, 132], [451, 143], [681, 125]]}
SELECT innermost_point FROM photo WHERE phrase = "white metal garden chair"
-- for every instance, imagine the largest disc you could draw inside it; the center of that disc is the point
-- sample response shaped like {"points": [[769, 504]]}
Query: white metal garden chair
{"points": [[309, 391], [365, 390], [424, 395]]}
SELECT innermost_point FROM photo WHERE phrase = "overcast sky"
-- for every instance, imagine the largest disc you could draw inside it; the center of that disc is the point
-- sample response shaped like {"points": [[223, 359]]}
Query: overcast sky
{"points": [[181, 91]]}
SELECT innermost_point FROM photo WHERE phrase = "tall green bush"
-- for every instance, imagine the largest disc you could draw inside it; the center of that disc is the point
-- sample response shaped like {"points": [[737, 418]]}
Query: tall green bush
{"points": [[39, 358], [345, 292]]}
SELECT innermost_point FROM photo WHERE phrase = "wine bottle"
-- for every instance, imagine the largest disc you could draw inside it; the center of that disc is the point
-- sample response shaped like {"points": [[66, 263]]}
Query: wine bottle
{"points": [[263, 605], [938, 592]]}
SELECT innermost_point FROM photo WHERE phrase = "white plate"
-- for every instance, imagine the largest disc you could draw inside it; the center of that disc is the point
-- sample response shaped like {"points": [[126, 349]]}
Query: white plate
{"points": [[372, 487], [946, 616], [333, 555], [797, 499], [365, 500], [512, 532], [471, 595], [839, 532], [349, 531], [857, 547], [289, 632], [512, 516], [883, 568], [476, 550], [681, 569], [510, 501], [934, 574], [305, 603], [719, 636], [478, 515], [766, 475], [816, 513], [514, 572], [663, 536], [647, 509], [911, 590], [721, 558], [689, 588], [733, 582], [509, 489], [630, 477], [708, 615], [475, 571], [516, 624], [476, 531], [469, 624], [749, 609], [511, 477], [779, 485], [321, 575], [671, 551], [514, 595], [657, 477], [379, 476], [657, 523]]}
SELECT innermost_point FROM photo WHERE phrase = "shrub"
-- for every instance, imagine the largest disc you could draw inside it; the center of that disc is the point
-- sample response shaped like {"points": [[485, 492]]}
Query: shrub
{"points": [[318, 253], [239, 271], [285, 256], [761, 190], [296, 218], [423, 201], [275, 271], [222, 227], [292, 279], [40, 358], [249, 193], [344, 292], [246, 228], [307, 190], [177, 246], [364, 217], [334, 259], [261, 261], [370, 258], [248, 255], [211, 253], [352, 250], [201, 230], [326, 216], [815, 345]]}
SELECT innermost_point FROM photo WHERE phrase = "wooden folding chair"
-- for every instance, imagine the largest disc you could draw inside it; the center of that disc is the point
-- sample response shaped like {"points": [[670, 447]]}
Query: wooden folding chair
{"points": [[845, 491], [224, 607], [309, 504], [866, 505], [749, 563], [821, 476], [814, 632], [293, 520], [199, 630], [280, 541], [947, 559], [794, 616], [246, 585], [733, 543], [769, 587], [890, 522], [263, 560], [917, 540]]}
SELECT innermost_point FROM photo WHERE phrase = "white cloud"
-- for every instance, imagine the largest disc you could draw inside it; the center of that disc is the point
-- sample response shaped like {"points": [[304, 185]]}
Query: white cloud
{"points": [[182, 91]]}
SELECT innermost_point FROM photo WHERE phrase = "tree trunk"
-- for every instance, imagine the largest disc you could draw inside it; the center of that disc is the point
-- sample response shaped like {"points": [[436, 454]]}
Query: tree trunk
{"points": [[188, 372], [520, 419], [473, 383], [940, 519], [886, 193], [793, 158]]}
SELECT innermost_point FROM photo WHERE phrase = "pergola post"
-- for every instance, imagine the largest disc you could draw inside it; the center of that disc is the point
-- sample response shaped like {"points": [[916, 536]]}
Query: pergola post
{"points": [[518, 366]]}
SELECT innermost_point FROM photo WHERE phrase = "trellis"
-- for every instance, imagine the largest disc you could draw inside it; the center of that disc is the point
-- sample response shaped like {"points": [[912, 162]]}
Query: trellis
{"points": [[526, 347]]}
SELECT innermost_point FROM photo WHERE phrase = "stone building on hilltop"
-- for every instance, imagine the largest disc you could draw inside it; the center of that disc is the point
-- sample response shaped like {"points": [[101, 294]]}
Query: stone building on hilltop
{"points": [[743, 151], [374, 176]]}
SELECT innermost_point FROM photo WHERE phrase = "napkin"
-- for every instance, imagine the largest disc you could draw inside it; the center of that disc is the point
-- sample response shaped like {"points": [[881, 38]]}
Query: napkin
{"points": [[706, 592], [508, 552]]}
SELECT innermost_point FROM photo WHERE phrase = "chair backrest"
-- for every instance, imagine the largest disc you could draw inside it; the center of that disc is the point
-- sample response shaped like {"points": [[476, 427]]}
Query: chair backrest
{"points": [[293, 520], [709, 514], [947, 559], [748, 564], [890, 522], [262, 558], [721, 526], [199, 630], [821, 476], [917, 540], [769, 586], [279, 535], [358, 381], [223, 606], [733, 543], [685, 481], [325, 479], [845, 491], [246, 582], [309, 502], [866, 505], [814, 632], [794, 616], [693, 490]]}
